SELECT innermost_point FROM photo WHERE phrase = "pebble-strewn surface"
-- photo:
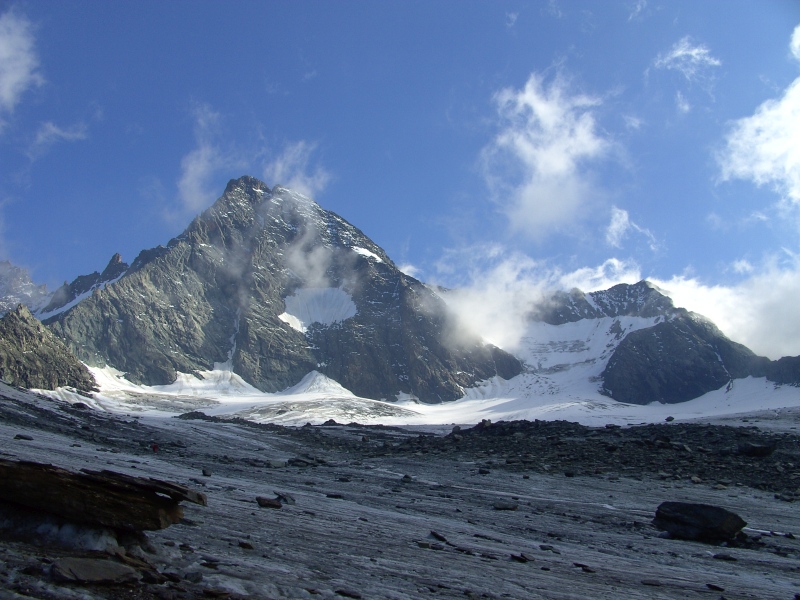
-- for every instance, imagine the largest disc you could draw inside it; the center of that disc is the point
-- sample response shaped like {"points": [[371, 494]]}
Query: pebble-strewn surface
{"points": [[504, 510]]}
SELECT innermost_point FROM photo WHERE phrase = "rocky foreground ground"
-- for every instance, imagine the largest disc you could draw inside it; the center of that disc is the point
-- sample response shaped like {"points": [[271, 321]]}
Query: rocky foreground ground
{"points": [[503, 510]]}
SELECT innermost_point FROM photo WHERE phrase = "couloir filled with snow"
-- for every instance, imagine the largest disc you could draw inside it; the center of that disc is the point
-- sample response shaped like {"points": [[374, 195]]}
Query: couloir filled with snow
{"points": [[561, 380]]}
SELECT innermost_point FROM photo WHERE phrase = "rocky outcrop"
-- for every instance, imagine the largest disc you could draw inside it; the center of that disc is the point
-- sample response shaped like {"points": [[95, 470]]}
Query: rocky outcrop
{"points": [[219, 293], [32, 357]]}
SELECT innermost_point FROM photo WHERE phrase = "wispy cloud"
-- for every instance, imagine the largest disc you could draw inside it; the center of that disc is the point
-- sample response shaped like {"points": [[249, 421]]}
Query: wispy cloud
{"points": [[19, 62], [536, 166], [765, 147], [49, 134], [689, 59], [511, 19], [621, 225], [292, 168], [681, 103], [198, 167], [637, 10]]}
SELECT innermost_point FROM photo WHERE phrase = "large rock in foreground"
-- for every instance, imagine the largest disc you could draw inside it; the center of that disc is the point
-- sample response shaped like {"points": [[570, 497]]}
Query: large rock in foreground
{"points": [[32, 357], [700, 522], [98, 498]]}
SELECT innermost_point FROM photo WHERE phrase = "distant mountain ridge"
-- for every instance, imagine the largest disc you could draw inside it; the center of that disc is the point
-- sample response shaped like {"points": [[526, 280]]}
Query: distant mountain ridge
{"points": [[681, 356]]}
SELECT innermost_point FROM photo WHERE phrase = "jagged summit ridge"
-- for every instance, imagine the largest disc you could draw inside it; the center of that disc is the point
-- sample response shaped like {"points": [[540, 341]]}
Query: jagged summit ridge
{"points": [[216, 293]]}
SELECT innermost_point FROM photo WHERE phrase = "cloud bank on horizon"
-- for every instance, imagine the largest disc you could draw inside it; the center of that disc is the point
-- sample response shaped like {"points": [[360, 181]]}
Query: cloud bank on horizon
{"points": [[574, 148]]}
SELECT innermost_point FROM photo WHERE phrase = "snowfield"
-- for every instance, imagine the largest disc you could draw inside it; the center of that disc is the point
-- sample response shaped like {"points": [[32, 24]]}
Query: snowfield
{"points": [[561, 380]]}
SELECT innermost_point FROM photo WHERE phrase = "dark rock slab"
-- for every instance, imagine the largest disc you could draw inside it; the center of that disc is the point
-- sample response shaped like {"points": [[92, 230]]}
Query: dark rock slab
{"points": [[92, 571], [103, 498], [701, 522]]}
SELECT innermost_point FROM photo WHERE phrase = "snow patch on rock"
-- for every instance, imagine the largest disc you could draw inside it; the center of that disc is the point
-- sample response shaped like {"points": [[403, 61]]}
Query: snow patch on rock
{"points": [[324, 306]]}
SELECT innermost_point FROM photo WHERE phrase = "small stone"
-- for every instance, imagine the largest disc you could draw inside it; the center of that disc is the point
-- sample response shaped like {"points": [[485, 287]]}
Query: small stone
{"points": [[727, 557], [335, 496], [715, 587], [268, 502], [669, 419], [193, 577], [651, 582], [206, 473], [505, 505], [347, 593], [407, 478], [22, 436], [483, 471], [245, 545]]}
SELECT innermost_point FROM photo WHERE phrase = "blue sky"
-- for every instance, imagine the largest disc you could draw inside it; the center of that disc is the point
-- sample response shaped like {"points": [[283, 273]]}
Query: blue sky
{"points": [[504, 147]]}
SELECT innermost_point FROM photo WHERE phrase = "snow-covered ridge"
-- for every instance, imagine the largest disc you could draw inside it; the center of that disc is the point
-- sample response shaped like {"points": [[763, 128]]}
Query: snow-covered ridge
{"points": [[324, 306]]}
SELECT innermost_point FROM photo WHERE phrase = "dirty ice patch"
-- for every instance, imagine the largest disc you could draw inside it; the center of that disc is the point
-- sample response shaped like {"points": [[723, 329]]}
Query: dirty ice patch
{"points": [[367, 253], [325, 306]]}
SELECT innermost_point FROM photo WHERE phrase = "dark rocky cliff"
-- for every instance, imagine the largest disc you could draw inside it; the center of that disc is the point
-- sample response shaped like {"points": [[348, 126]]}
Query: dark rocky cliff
{"points": [[32, 357]]}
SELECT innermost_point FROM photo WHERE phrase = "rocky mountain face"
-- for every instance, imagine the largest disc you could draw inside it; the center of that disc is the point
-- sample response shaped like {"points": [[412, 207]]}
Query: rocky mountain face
{"points": [[680, 357], [273, 286], [71, 293], [16, 287], [32, 357]]}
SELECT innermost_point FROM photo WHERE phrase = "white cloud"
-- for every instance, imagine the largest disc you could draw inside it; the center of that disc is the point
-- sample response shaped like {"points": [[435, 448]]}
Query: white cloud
{"points": [[689, 59], [765, 147], [49, 134], [536, 166], [619, 227], [637, 10], [511, 19], [292, 169], [205, 160], [18, 60], [759, 312], [681, 103]]}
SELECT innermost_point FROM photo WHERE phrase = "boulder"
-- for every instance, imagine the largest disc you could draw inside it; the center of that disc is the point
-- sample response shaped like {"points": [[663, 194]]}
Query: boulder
{"points": [[92, 570], [99, 498], [701, 522]]}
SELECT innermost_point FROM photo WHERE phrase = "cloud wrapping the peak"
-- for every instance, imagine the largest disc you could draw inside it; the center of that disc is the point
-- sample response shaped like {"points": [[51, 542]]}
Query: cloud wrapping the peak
{"points": [[535, 167], [689, 59], [495, 291], [18, 59], [760, 311], [765, 147], [292, 169]]}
